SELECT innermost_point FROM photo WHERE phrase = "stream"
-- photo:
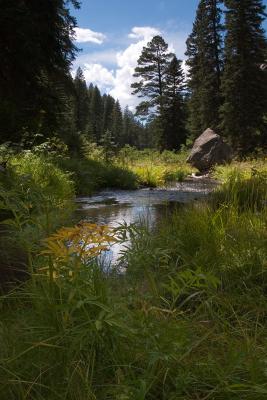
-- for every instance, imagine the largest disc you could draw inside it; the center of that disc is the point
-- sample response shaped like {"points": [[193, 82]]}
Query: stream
{"points": [[116, 207]]}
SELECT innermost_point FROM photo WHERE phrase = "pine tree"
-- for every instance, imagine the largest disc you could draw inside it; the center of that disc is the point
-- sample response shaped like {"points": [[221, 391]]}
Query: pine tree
{"points": [[128, 121], [96, 115], [204, 52], [90, 92], [82, 101], [134, 133], [108, 102], [153, 135], [36, 55], [151, 71], [117, 124], [174, 133], [244, 82], [109, 145]]}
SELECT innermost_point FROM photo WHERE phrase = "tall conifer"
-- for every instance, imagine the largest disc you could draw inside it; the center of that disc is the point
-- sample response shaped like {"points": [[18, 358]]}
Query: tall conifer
{"points": [[117, 124], [82, 101], [96, 115], [151, 71], [36, 53], [204, 51], [174, 132], [244, 81], [108, 104]]}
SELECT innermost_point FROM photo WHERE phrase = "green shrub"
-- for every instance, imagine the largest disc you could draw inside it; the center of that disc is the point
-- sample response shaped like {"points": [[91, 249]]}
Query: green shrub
{"points": [[37, 174]]}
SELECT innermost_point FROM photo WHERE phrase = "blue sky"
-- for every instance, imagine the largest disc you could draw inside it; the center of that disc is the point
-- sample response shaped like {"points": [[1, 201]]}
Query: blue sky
{"points": [[112, 33]]}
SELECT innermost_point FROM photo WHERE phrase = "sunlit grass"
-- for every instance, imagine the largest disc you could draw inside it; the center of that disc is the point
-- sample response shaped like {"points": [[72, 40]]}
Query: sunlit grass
{"points": [[129, 169], [245, 169], [186, 321], [153, 168], [159, 175]]}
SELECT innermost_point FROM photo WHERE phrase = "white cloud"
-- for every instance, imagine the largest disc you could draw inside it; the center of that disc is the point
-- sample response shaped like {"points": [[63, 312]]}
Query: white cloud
{"points": [[118, 82], [143, 32], [99, 75], [83, 35], [106, 57]]}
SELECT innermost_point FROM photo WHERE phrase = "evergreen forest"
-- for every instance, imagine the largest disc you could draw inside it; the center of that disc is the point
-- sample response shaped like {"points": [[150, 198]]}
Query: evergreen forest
{"points": [[128, 271]]}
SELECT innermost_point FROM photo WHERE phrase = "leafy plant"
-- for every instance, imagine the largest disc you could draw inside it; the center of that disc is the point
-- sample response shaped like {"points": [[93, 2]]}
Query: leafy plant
{"points": [[69, 249]]}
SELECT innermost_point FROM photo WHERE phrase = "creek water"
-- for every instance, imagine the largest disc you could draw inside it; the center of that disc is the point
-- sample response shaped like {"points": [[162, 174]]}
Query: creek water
{"points": [[117, 207]]}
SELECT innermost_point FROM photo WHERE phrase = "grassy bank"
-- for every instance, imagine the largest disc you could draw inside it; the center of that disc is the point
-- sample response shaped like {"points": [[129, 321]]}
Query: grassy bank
{"points": [[91, 175], [245, 169], [186, 321], [128, 169], [153, 168]]}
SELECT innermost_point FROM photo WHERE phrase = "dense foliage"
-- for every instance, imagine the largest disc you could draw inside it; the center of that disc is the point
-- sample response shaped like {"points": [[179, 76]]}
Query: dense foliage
{"points": [[100, 116], [244, 83], [205, 62], [227, 78], [36, 54]]}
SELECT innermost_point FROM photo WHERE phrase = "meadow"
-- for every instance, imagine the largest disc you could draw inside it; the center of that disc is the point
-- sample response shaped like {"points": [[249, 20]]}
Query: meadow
{"points": [[128, 168], [187, 319]]}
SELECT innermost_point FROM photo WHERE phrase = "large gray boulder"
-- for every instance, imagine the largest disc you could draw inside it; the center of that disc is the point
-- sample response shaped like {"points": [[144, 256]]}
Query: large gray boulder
{"points": [[209, 149]]}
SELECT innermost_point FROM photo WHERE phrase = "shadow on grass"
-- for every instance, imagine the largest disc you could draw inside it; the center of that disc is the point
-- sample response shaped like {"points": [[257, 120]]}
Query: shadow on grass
{"points": [[91, 175]]}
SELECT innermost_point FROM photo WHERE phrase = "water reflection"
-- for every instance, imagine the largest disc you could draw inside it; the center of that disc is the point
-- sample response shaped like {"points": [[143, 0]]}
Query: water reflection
{"points": [[148, 206]]}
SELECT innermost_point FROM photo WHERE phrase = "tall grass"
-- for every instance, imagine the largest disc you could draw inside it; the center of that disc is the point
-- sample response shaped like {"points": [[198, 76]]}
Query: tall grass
{"points": [[35, 198], [245, 193], [206, 268], [187, 320], [154, 168], [91, 175], [128, 169], [245, 169]]}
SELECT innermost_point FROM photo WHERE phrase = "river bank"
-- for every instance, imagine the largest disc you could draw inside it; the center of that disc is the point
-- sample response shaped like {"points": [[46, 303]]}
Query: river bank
{"points": [[145, 206], [185, 321]]}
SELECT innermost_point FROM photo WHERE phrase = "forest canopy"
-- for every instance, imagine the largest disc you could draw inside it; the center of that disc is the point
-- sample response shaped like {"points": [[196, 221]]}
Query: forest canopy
{"points": [[225, 87]]}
